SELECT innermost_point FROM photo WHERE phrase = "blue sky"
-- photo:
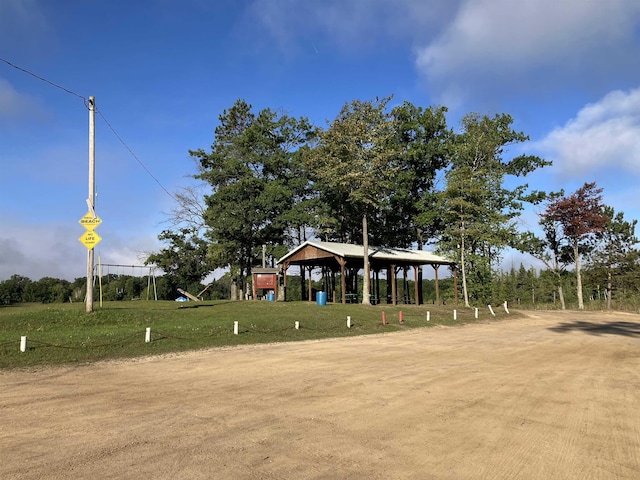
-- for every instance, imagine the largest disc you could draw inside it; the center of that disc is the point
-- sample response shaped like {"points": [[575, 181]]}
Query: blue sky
{"points": [[162, 72]]}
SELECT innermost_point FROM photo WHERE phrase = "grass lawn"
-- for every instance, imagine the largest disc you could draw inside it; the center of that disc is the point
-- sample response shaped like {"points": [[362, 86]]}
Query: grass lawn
{"points": [[65, 333]]}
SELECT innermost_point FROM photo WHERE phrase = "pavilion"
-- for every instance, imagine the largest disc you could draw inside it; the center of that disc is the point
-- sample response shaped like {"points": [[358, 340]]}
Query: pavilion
{"points": [[347, 259]]}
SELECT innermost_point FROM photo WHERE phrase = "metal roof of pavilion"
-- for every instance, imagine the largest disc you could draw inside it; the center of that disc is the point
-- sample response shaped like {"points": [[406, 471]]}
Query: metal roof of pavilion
{"points": [[398, 256]]}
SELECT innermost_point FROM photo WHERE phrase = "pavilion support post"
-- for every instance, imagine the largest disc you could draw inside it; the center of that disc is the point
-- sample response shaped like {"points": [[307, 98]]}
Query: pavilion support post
{"points": [[333, 285], [406, 294], [394, 300], [309, 291], [435, 268], [354, 274], [343, 281], [282, 291], [416, 286]]}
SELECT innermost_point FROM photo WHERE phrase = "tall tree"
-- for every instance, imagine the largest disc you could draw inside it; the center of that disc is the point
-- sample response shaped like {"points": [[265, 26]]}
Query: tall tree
{"points": [[615, 254], [354, 161], [581, 216], [553, 250], [184, 260], [407, 216], [255, 176], [479, 209], [424, 150]]}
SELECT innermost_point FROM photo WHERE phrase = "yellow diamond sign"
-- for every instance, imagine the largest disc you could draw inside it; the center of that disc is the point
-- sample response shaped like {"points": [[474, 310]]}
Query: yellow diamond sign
{"points": [[90, 239], [90, 222]]}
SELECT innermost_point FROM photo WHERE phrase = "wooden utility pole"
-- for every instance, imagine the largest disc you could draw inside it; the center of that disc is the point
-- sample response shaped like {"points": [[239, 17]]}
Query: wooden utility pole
{"points": [[91, 199]]}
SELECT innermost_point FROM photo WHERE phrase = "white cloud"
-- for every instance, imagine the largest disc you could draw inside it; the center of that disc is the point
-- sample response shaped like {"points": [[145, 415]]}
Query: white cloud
{"points": [[37, 251], [494, 39], [53, 250], [350, 23], [604, 134], [15, 105]]}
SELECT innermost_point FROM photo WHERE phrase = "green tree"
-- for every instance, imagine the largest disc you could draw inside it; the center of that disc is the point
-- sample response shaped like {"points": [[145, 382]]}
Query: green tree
{"points": [[478, 208], [354, 163], [581, 216], [50, 290], [184, 261], [14, 290], [424, 149], [615, 256], [553, 250], [256, 179]]}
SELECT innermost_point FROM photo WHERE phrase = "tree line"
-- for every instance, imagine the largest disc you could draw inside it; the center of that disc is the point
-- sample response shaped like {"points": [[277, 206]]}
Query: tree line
{"points": [[387, 175], [395, 176]]}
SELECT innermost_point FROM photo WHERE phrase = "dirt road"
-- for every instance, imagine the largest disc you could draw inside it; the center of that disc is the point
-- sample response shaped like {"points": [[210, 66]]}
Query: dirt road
{"points": [[549, 396]]}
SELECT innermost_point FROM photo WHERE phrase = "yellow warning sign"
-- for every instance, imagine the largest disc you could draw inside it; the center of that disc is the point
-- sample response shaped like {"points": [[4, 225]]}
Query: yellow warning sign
{"points": [[90, 222], [90, 239]]}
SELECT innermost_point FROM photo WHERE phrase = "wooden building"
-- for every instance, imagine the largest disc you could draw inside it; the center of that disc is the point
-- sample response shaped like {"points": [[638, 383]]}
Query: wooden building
{"points": [[347, 259]]}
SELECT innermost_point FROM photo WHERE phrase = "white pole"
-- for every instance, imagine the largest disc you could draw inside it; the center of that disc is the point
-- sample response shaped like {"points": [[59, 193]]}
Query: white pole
{"points": [[505, 307], [476, 314], [235, 328], [91, 199], [348, 322], [428, 316], [455, 315], [297, 325], [491, 310], [23, 344], [147, 335]]}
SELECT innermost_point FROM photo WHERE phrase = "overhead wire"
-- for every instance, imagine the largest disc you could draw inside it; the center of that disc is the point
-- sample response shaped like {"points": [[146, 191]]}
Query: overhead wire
{"points": [[70, 92], [86, 102], [134, 155]]}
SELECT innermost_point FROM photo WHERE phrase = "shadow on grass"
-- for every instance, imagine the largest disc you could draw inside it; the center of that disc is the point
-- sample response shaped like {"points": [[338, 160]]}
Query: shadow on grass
{"points": [[200, 305], [627, 329]]}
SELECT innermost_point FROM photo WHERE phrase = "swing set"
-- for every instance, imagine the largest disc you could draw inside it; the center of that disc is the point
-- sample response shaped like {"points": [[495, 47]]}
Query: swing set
{"points": [[151, 277]]}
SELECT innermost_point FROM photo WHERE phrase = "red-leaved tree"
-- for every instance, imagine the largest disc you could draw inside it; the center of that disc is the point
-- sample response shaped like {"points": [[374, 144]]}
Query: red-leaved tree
{"points": [[581, 216]]}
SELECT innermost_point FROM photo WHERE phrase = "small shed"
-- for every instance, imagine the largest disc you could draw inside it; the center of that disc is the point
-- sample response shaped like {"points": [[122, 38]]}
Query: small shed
{"points": [[341, 257], [265, 281]]}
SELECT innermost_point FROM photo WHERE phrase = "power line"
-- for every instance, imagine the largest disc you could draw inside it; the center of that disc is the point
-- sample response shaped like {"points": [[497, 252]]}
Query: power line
{"points": [[71, 92], [134, 155]]}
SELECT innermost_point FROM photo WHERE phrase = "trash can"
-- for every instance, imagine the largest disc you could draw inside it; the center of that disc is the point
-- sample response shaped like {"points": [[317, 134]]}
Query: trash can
{"points": [[321, 298], [271, 297]]}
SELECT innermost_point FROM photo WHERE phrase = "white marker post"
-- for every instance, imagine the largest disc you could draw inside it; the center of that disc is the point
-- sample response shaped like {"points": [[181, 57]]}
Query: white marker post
{"points": [[348, 322], [297, 325], [428, 316], [476, 314], [491, 310], [23, 344], [505, 307], [147, 335], [235, 328], [455, 315]]}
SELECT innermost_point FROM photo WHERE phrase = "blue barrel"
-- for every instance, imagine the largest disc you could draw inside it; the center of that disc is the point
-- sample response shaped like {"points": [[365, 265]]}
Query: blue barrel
{"points": [[321, 298], [271, 297]]}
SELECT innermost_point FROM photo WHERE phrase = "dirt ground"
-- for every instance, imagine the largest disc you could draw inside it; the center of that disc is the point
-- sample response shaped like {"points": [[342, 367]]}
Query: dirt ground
{"points": [[548, 396]]}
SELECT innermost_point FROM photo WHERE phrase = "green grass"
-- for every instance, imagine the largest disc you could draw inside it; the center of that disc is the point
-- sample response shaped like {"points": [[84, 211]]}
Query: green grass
{"points": [[65, 333]]}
